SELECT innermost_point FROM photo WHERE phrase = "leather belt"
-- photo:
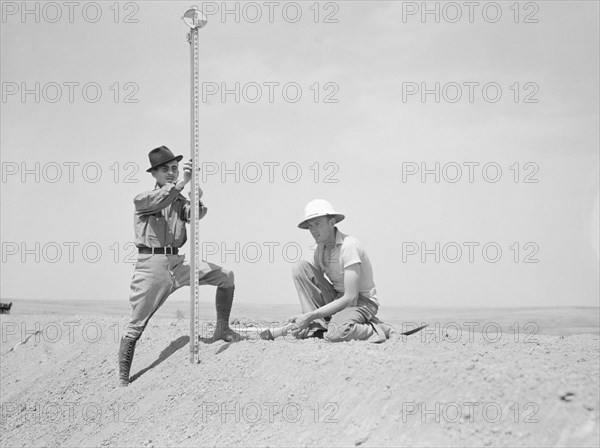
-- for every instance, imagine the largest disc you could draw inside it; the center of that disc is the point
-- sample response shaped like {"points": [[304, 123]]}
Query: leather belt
{"points": [[159, 250]]}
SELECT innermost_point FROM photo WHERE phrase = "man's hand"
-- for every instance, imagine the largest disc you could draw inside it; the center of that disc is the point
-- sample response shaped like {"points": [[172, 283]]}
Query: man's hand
{"points": [[302, 320], [187, 171], [187, 177], [200, 193]]}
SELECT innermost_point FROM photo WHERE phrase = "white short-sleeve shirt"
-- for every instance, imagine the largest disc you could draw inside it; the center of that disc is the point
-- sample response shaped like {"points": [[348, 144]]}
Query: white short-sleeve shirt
{"points": [[346, 252]]}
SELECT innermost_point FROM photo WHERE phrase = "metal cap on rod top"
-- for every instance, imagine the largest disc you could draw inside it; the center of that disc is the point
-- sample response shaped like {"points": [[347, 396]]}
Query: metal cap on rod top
{"points": [[194, 18]]}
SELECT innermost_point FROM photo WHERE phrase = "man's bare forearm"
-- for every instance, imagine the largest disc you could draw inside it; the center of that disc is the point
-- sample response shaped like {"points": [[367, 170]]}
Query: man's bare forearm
{"points": [[331, 308]]}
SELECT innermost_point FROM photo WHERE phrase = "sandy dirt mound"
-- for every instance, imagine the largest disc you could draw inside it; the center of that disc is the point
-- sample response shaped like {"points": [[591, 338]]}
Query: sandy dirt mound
{"points": [[59, 389]]}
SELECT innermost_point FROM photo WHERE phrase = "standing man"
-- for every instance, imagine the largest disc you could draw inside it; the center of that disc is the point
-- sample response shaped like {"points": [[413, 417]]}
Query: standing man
{"points": [[159, 220], [343, 305]]}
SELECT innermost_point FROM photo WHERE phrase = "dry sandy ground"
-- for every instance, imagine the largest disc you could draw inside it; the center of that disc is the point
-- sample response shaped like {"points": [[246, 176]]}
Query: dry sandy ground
{"points": [[434, 388]]}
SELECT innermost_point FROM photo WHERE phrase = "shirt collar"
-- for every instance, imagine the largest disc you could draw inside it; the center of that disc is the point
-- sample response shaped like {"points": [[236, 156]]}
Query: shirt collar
{"points": [[339, 238]]}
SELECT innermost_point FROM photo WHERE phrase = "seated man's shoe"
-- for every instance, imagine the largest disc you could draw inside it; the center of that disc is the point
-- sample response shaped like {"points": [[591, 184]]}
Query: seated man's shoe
{"points": [[318, 334]]}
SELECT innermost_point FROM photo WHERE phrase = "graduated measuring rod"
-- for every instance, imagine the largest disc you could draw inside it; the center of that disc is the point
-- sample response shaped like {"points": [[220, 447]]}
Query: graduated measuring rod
{"points": [[194, 19]]}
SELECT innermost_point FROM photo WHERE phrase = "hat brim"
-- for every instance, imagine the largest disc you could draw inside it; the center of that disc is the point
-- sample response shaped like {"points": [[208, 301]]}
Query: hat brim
{"points": [[338, 217], [178, 158]]}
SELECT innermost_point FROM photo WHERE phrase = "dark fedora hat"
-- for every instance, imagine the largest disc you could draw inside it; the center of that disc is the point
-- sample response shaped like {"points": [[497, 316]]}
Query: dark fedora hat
{"points": [[159, 156]]}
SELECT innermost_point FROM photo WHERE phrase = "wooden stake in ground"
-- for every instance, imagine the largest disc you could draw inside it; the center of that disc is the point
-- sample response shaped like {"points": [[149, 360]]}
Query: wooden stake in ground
{"points": [[195, 20]]}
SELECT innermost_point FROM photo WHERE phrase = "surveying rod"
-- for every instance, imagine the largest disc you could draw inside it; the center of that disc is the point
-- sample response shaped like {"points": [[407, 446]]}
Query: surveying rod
{"points": [[194, 19]]}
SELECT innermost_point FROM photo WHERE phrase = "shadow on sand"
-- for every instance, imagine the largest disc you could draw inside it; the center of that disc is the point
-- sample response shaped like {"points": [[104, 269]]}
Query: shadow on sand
{"points": [[223, 347], [177, 344]]}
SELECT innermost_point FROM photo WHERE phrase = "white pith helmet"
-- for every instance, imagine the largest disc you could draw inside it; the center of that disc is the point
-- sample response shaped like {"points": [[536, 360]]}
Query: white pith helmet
{"points": [[319, 207]]}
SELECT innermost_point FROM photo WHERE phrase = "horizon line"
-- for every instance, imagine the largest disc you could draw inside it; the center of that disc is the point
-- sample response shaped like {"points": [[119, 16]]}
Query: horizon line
{"points": [[8, 300]]}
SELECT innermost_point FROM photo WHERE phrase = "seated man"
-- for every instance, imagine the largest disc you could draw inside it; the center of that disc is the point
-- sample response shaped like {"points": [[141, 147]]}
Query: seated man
{"points": [[348, 300]]}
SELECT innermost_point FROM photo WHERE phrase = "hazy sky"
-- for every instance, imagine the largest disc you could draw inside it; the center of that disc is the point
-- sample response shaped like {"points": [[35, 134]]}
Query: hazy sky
{"points": [[329, 105]]}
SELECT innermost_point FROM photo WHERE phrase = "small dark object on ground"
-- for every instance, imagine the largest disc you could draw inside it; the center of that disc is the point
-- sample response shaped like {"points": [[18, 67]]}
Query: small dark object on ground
{"points": [[5, 308]]}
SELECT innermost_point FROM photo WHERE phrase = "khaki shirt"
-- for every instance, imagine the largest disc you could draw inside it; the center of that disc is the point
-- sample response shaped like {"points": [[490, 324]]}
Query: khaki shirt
{"points": [[160, 217], [345, 252]]}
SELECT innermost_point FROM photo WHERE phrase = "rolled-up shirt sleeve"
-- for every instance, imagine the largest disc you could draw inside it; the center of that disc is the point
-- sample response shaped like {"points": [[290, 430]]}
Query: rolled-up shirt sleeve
{"points": [[151, 202], [187, 211], [351, 254]]}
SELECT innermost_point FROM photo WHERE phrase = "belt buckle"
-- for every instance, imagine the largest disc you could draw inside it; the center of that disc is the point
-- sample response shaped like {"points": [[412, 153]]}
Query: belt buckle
{"points": [[168, 250]]}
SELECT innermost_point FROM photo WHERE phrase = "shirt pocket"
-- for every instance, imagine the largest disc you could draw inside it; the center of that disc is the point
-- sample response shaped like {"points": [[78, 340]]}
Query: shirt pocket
{"points": [[157, 230]]}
